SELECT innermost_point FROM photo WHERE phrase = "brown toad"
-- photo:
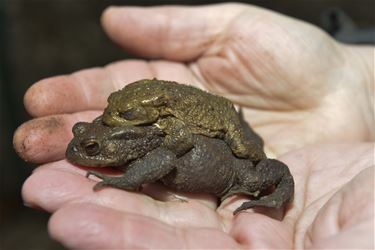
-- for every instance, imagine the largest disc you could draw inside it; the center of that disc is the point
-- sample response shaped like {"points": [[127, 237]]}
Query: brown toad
{"points": [[180, 111], [208, 167]]}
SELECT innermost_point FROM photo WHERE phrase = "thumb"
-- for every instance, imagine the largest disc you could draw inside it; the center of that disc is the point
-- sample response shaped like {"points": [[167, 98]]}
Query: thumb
{"points": [[169, 32]]}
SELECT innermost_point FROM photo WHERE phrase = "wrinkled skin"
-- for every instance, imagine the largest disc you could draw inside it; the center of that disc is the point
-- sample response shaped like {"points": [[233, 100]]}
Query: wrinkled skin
{"points": [[297, 87], [209, 167], [329, 210], [97, 145], [181, 110]]}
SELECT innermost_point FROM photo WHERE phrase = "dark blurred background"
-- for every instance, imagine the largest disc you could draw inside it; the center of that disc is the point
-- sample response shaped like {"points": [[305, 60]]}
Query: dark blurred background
{"points": [[42, 38]]}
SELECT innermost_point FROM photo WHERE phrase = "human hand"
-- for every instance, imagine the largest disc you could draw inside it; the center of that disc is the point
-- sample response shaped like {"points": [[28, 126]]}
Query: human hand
{"points": [[296, 85], [291, 80], [333, 207]]}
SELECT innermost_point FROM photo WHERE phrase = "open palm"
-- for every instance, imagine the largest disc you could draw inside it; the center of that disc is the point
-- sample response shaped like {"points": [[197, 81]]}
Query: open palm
{"points": [[295, 84], [296, 87], [332, 208]]}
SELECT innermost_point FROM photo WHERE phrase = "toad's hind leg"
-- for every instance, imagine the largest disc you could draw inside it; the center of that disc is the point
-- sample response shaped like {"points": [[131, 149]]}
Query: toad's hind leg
{"points": [[272, 173], [244, 146], [243, 140]]}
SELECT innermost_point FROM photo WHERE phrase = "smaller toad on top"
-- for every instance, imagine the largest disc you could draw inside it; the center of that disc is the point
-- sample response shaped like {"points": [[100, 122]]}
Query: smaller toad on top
{"points": [[181, 111]]}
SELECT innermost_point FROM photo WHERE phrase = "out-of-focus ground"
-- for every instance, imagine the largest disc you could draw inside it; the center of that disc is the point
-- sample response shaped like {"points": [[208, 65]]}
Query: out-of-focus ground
{"points": [[42, 38]]}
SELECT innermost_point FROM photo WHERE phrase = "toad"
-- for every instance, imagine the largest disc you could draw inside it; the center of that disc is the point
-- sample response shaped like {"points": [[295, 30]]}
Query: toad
{"points": [[180, 111], [210, 166]]}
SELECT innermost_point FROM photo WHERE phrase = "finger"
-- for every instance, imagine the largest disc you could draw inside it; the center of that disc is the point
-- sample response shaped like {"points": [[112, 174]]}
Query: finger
{"points": [[347, 214], [56, 184], [257, 236], [53, 185], [89, 89], [45, 139], [87, 226], [83, 90], [174, 33]]}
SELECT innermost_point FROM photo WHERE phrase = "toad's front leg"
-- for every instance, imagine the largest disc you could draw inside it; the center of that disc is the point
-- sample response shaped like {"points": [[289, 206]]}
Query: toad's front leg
{"points": [[150, 168], [179, 138]]}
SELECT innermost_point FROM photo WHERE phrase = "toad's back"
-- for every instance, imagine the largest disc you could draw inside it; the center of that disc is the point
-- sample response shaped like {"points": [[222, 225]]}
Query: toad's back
{"points": [[178, 108], [187, 103]]}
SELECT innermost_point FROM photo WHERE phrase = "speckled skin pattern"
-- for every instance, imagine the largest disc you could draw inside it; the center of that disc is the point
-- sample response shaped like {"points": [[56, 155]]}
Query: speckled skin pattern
{"points": [[181, 110], [97, 145], [209, 166]]}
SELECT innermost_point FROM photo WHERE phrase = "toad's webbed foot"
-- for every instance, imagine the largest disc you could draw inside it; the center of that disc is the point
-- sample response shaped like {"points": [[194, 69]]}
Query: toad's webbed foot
{"points": [[259, 203], [100, 185], [97, 174], [116, 182], [271, 174], [101, 176]]}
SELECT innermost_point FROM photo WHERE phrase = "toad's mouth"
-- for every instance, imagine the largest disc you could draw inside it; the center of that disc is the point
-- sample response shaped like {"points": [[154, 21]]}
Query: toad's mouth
{"points": [[111, 163], [101, 163]]}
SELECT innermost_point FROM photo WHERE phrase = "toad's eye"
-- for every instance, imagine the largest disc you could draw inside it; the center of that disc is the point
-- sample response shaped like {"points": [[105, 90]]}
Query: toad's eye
{"points": [[130, 114], [91, 147]]}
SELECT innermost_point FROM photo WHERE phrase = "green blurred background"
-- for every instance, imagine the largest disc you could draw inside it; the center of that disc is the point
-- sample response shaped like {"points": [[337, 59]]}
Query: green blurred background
{"points": [[42, 38]]}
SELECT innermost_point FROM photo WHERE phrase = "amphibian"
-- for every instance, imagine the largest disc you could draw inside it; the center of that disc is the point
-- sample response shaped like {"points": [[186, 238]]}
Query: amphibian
{"points": [[208, 167], [97, 145], [181, 110]]}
